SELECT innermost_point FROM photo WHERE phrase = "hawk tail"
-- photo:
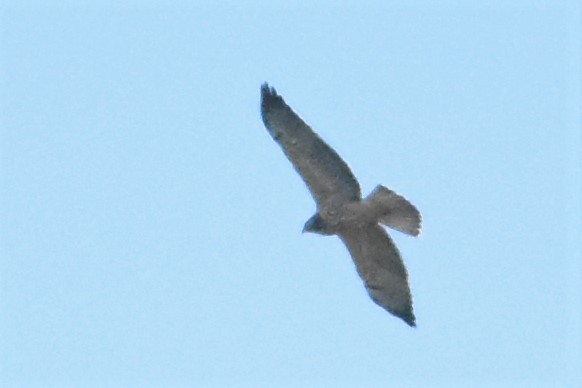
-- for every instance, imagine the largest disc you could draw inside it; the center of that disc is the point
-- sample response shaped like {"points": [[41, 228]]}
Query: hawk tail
{"points": [[395, 211]]}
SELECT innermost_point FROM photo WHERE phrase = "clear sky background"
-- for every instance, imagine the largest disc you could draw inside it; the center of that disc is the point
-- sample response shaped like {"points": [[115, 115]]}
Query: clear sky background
{"points": [[150, 228]]}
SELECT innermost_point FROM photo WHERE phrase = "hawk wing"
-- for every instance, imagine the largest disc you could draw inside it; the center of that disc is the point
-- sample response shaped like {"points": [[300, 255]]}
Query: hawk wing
{"points": [[320, 167], [380, 266]]}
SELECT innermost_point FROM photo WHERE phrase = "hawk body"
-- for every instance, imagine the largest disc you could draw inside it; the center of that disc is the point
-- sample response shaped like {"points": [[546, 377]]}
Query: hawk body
{"points": [[341, 210]]}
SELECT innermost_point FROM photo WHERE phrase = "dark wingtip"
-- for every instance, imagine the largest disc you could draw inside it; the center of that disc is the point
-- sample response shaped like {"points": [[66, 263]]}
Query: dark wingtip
{"points": [[406, 316], [270, 99], [410, 319], [267, 91]]}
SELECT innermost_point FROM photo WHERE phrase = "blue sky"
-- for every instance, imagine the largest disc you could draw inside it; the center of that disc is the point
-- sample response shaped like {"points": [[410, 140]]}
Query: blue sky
{"points": [[150, 228]]}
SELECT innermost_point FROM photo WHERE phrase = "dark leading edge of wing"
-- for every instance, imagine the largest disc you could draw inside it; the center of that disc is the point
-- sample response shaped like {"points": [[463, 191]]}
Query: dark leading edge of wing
{"points": [[324, 172]]}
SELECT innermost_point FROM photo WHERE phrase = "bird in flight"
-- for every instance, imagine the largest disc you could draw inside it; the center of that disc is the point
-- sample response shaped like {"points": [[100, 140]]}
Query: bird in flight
{"points": [[341, 210]]}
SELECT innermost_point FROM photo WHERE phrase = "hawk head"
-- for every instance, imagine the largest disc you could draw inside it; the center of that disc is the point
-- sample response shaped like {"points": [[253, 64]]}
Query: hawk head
{"points": [[316, 224]]}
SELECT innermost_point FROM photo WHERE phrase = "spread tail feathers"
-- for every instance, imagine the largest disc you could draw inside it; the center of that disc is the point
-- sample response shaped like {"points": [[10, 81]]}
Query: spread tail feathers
{"points": [[395, 211]]}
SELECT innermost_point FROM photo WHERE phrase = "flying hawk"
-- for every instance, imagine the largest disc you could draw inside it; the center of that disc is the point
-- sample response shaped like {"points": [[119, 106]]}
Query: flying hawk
{"points": [[341, 209]]}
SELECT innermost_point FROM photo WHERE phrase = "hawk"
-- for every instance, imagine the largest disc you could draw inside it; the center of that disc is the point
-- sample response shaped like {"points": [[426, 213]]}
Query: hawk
{"points": [[341, 210]]}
